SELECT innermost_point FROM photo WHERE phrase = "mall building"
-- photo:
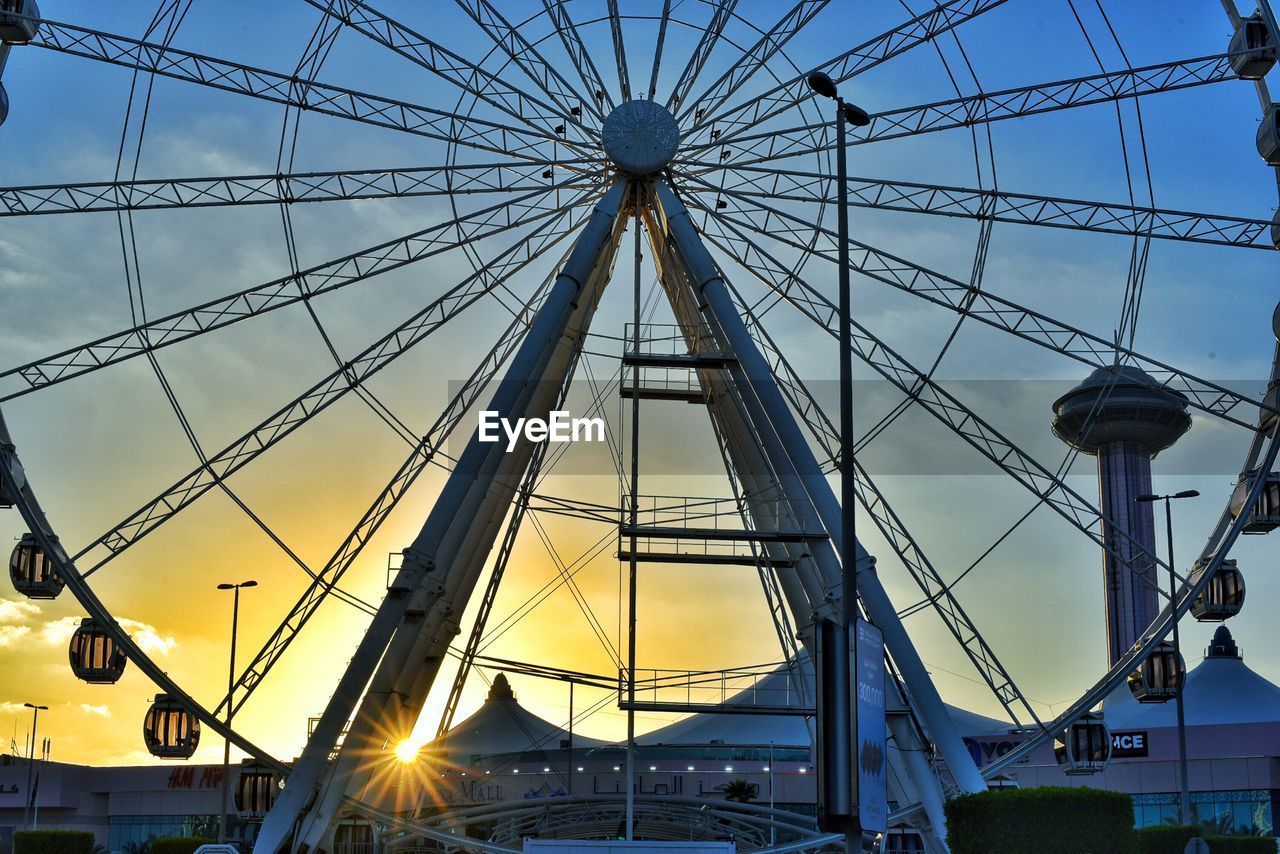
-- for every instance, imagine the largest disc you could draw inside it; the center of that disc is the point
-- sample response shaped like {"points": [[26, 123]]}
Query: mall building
{"points": [[503, 752]]}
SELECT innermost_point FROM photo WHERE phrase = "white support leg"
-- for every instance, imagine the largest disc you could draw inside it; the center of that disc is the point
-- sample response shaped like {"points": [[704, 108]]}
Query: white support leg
{"points": [[443, 555]]}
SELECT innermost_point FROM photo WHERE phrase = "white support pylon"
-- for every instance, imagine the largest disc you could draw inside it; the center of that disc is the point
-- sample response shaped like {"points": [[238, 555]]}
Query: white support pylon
{"points": [[416, 619], [775, 417]]}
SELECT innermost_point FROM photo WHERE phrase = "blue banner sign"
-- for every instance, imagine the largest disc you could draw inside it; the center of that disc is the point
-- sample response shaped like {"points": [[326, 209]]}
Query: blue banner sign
{"points": [[873, 787]]}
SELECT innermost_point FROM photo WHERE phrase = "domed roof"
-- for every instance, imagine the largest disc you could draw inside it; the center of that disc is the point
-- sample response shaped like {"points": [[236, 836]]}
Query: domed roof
{"points": [[1133, 408], [502, 725], [780, 688], [1221, 689]]}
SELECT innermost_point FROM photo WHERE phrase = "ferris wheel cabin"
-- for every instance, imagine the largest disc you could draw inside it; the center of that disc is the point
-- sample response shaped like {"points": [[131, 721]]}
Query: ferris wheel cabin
{"points": [[31, 570], [95, 656], [1253, 51], [1160, 675], [1223, 597], [19, 21], [1084, 747], [170, 730]]}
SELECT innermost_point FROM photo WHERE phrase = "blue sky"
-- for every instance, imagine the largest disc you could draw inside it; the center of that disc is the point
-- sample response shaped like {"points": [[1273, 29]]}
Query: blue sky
{"points": [[99, 446]]}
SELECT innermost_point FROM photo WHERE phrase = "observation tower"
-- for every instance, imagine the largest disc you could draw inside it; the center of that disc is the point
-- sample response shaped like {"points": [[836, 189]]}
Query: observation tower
{"points": [[1124, 418]]}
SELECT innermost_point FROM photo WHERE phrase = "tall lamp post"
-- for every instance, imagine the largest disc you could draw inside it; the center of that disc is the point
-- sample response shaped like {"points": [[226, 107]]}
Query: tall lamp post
{"points": [[845, 113], [231, 706], [31, 761], [1177, 646]]}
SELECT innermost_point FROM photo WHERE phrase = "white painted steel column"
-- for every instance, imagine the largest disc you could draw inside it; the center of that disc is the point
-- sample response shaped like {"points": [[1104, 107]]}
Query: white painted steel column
{"points": [[416, 593]]}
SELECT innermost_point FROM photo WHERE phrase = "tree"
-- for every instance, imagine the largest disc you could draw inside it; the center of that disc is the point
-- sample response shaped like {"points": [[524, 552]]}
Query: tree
{"points": [[740, 791]]}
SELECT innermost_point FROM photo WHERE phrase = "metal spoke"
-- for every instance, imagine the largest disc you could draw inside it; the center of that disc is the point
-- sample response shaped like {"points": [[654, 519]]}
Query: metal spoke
{"points": [[919, 387], [230, 190], [619, 50], [936, 591], [722, 11], [657, 51], [750, 62], [526, 57], [919, 30], [1003, 206], [276, 294], [985, 107], [578, 54], [423, 454], [1000, 313], [444, 63], [327, 391], [229, 76]]}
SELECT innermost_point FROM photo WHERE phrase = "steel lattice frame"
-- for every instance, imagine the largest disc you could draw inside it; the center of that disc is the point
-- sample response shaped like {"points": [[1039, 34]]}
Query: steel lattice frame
{"points": [[752, 155]]}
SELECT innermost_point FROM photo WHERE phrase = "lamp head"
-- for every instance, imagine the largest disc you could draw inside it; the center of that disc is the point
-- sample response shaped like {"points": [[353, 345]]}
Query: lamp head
{"points": [[1146, 499], [856, 116], [226, 587], [822, 84], [1188, 493]]}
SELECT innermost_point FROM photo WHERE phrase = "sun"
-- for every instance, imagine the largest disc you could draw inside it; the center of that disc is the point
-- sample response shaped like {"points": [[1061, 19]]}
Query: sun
{"points": [[408, 750]]}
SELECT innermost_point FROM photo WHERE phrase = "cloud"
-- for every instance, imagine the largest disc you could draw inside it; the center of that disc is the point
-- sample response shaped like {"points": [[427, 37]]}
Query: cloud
{"points": [[7, 708], [16, 610], [101, 711], [9, 635], [58, 632], [147, 637]]}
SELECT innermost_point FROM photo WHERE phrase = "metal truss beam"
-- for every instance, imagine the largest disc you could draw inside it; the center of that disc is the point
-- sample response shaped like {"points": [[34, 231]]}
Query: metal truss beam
{"points": [[755, 58], [527, 58], [276, 294], [38, 524], [902, 38], [992, 310], [657, 52], [1002, 206], [400, 655], [780, 429], [895, 532], [986, 107], [619, 50], [919, 387], [522, 143], [324, 393], [422, 455], [550, 120], [298, 187], [578, 53], [722, 11]]}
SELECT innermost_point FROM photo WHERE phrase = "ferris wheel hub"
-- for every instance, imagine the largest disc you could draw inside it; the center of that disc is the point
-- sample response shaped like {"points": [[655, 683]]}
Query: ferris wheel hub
{"points": [[640, 137]]}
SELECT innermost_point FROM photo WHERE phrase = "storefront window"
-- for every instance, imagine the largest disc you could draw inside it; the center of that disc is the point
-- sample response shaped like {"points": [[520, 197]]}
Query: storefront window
{"points": [[1224, 813]]}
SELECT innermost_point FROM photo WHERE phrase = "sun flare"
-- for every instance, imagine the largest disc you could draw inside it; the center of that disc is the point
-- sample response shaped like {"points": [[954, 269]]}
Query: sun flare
{"points": [[408, 750]]}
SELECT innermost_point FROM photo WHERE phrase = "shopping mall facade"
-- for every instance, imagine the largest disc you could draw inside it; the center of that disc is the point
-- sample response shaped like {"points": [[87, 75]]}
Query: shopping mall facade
{"points": [[503, 752]]}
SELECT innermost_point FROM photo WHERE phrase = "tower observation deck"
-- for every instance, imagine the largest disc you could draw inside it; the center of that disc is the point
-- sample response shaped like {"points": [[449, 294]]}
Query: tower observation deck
{"points": [[1122, 416]]}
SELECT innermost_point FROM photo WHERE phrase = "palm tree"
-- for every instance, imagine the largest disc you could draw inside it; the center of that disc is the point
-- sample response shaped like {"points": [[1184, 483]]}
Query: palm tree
{"points": [[740, 791], [134, 847]]}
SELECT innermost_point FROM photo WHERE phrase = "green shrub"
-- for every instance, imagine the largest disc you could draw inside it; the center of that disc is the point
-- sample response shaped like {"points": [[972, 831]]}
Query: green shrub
{"points": [[1241, 844], [178, 844], [1044, 820], [1165, 838], [53, 842]]}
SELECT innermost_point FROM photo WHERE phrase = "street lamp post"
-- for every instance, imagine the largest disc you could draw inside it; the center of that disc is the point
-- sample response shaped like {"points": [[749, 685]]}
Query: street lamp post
{"points": [[231, 706], [31, 761], [823, 85], [1177, 647]]}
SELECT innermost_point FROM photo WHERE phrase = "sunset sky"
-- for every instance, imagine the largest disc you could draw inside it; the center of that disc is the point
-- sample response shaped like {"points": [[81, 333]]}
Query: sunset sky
{"points": [[100, 446]]}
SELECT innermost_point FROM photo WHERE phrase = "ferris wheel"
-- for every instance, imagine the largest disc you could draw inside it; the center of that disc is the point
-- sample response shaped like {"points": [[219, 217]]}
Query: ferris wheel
{"points": [[555, 129]]}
